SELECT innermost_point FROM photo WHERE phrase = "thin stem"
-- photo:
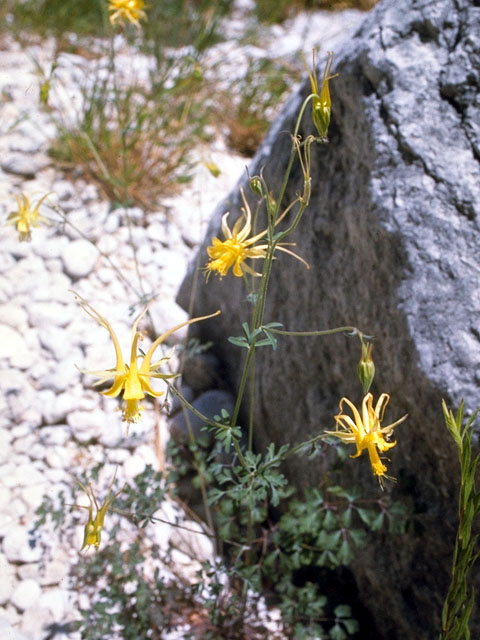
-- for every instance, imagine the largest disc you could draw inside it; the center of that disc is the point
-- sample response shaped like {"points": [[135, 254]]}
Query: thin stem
{"points": [[252, 404], [242, 385], [325, 332]]}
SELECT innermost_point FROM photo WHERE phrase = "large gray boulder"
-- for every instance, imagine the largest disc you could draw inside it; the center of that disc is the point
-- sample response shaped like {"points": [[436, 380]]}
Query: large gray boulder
{"points": [[392, 236]]}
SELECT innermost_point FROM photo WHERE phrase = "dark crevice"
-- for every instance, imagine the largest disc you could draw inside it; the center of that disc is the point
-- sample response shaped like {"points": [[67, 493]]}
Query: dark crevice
{"points": [[426, 31]]}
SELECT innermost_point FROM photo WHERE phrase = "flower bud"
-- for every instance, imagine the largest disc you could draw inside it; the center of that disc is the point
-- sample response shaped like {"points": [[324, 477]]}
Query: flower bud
{"points": [[366, 366], [256, 186], [271, 204]]}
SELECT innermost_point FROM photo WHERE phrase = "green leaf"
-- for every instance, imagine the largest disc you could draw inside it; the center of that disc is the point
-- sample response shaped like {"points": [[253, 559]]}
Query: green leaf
{"points": [[342, 611], [351, 625], [367, 515], [377, 523], [358, 536], [345, 553], [346, 518], [337, 633], [239, 341], [330, 520]]}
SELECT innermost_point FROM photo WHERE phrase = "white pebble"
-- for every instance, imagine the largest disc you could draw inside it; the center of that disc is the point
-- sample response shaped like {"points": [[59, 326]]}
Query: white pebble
{"points": [[14, 348], [26, 594], [79, 258], [7, 583], [19, 545]]}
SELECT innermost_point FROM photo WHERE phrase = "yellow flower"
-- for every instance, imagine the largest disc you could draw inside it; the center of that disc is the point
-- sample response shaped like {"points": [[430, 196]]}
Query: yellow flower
{"points": [[321, 103], [366, 431], [132, 379], [93, 529], [131, 10], [26, 217], [238, 247]]}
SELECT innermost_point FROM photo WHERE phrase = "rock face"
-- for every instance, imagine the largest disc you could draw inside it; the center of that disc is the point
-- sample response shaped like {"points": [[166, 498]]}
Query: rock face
{"points": [[392, 236]]}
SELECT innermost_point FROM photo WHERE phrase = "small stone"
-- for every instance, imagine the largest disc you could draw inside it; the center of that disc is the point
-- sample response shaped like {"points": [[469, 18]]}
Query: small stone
{"points": [[35, 622], [51, 249], [33, 496], [24, 165], [64, 375], [26, 594], [56, 571], [56, 435], [51, 287], [7, 632], [51, 315], [63, 189], [137, 462], [55, 408], [175, 404], [208, 404], [5, 440], [60, 457], [17, 474], [201, 371], [25, 571], [14, 348], [4, 497], [55, 600], [7, 583], [192, 541], [13, 315], [23, 445], [88, 425], [79, 258], [19, 545]]}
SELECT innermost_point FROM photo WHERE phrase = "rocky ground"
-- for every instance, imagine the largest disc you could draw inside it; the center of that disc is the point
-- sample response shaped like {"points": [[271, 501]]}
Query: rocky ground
{"points": [[49, 415]]}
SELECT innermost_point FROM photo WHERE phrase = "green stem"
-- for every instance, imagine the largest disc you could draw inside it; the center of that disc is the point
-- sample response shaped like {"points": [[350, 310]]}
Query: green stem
{"points": [[242, 385], [325, 332], [252, 404]]}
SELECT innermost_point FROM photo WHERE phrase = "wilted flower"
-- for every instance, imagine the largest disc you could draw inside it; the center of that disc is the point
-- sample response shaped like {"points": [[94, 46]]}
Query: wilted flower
{"points": [[130, 10], [238, 246], [321, 103], [26, 217], [366, 431], [133, 380], [94, 526]]}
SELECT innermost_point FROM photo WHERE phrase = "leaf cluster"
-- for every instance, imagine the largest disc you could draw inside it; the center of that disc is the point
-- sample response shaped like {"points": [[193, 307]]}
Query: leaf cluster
{"points": [[251, 337]]}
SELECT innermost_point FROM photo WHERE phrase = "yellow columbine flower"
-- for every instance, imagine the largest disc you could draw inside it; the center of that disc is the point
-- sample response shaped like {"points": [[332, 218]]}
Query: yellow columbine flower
{"points": [[131, 10], [133, 380], [321, 103], [94, 526], [26, 217], [366, 431], [238, 247]]}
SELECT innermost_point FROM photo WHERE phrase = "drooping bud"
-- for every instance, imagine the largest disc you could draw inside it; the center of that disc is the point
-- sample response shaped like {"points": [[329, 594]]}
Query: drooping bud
{"points": [[256, 186], [366, 366], [271, 204]]}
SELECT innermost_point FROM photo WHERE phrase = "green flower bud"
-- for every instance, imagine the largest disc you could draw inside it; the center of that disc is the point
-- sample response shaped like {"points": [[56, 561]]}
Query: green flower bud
{"points": [[256, 186], [366, 366]]}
